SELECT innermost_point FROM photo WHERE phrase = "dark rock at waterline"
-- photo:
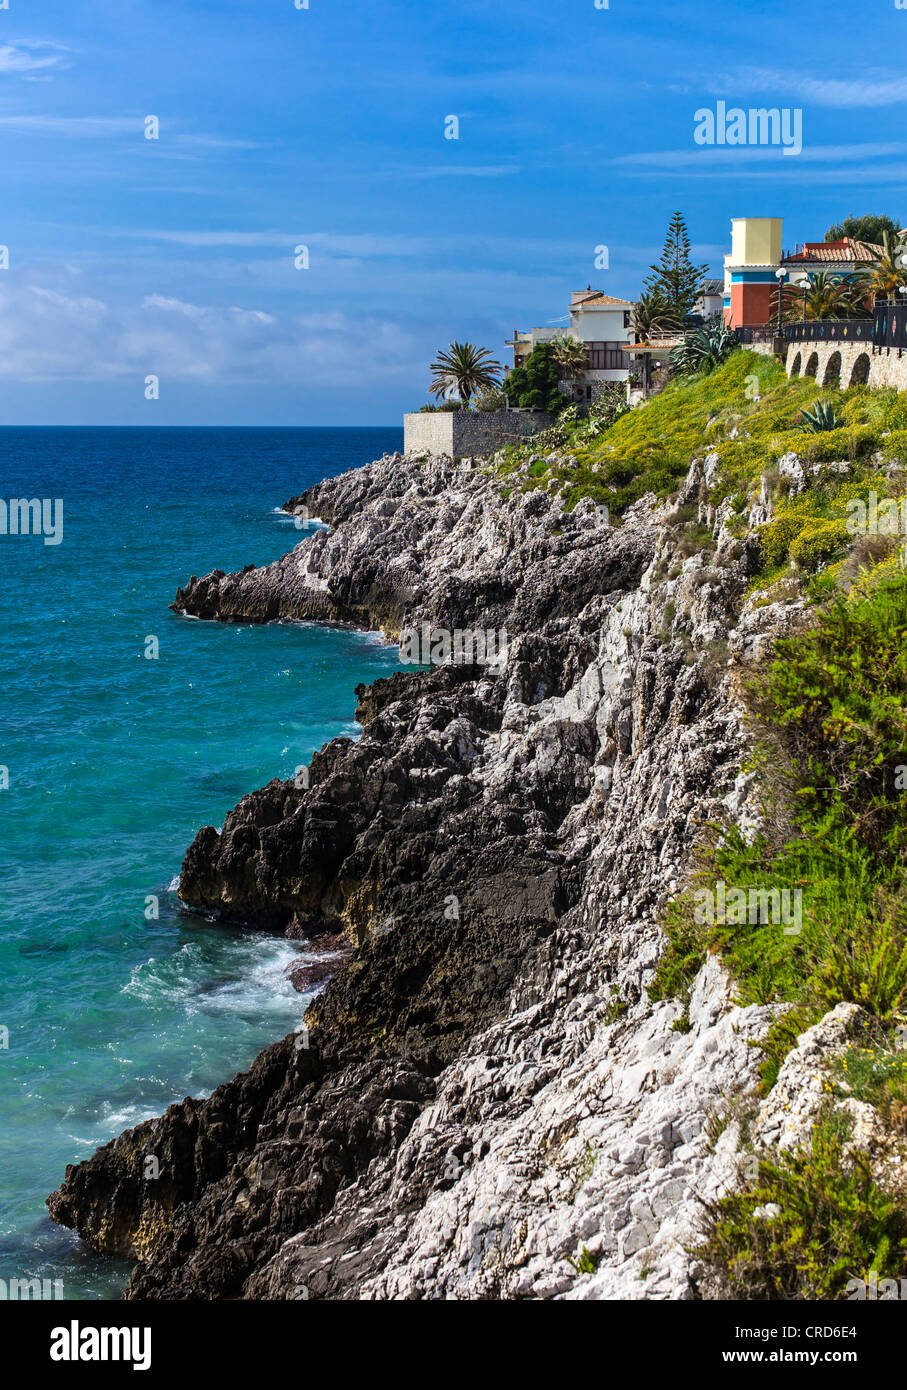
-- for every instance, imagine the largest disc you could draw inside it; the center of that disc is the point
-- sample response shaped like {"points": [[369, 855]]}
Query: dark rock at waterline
{"points": [[329, 932], [305, 977]]}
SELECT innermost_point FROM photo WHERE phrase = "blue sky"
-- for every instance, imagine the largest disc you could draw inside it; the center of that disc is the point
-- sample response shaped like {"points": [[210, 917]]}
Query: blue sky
{"points": [[325, 127]]}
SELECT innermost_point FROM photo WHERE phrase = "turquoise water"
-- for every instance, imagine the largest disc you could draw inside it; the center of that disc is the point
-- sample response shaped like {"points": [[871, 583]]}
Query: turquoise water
{"points": [[114, 762]]}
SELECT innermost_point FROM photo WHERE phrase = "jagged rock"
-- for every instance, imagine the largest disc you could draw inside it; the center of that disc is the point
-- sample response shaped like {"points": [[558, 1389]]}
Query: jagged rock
{"points": [[484, 1087]]}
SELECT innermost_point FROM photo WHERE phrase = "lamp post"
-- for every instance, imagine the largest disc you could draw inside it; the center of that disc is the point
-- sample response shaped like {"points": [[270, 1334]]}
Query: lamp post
{"points": [[803, 284], [780, 276]]}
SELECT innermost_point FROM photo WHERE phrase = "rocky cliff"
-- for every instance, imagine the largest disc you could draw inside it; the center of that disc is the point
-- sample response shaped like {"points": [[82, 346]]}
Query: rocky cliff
{"points": [[484, 1087]]}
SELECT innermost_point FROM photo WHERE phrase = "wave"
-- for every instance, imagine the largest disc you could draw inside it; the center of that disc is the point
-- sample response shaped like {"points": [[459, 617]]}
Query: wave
{"points": [[244, 975]]}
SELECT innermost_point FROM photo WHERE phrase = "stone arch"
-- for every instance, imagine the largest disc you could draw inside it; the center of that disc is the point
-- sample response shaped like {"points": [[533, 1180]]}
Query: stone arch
{"points": [[860, 373], [812, 365], [796, 365], [832, 375]]}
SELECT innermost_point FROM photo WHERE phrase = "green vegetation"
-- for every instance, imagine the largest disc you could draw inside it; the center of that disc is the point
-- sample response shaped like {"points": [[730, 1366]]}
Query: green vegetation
{"points": [[882, 278], [584, 1170], [704, 348], [745, 410], [877, 1074], [811, 1221], [870, 228], [489, 398], [653, 317], [463, 368], [584, 1262], [827, 297], [830, 712], [535, 385], [823, 416], [571, 357], [674, 280]]}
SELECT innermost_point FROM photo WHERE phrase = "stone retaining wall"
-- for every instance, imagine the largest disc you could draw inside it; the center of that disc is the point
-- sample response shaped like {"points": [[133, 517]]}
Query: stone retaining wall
{"points": [[457, 433], [849, 364]]}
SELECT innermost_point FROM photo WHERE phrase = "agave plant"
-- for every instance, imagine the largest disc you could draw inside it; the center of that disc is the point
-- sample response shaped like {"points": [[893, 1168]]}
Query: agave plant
{"points": [[823, 416], [703, 348], [463, 368]]}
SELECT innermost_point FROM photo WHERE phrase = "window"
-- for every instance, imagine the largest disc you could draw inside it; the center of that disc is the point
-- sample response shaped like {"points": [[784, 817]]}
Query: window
{"points": [[607, 357], [626, 318]]}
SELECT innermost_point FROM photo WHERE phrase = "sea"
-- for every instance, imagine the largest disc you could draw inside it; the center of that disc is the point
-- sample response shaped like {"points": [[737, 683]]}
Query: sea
{"points": [[123, 729]]}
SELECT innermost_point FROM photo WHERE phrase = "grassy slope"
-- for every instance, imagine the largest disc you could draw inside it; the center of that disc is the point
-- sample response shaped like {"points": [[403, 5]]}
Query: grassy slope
{"points": [[650, 449]]}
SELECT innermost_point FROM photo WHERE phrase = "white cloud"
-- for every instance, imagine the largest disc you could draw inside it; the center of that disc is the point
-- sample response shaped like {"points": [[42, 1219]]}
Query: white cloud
{"points": [[49, 334], [452, 171], [699, 155], [73, 125], [872, 88], [21, 57]]}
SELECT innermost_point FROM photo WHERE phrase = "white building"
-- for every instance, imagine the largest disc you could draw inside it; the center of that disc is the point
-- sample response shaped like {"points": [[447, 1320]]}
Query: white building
{"points": [[596, 319], [711, 299]]}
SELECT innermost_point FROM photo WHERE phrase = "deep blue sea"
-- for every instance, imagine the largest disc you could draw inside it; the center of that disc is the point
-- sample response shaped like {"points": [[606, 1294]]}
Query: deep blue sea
{"points": [[115, 761]]}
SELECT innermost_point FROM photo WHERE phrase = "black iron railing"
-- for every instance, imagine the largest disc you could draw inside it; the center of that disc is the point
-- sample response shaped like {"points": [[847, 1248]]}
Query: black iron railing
{"points": [[890, 327], [748, 334], [830, 330]]}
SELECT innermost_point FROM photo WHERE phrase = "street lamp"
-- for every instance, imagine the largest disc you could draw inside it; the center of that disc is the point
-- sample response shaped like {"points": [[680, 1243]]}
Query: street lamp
{"points": [[780, 276], [803, 284]]}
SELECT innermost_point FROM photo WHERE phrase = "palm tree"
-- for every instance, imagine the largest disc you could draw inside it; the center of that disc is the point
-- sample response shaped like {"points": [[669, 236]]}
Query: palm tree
{"points": [[882, 277], [828, 297], [653, 317], [571, 358], [463, 369]]}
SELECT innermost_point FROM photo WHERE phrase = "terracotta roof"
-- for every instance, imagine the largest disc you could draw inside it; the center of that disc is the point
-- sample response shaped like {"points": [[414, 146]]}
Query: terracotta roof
{"points": [[835, 252], [596, 299], [654, 344]]}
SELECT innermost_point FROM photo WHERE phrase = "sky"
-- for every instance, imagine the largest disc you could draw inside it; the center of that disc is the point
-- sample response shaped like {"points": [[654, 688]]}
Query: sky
{"points": [[327, 128]]}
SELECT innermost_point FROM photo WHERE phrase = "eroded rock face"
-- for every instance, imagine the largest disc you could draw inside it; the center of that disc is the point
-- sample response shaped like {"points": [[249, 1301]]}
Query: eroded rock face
{"points": [[484, 1086]]}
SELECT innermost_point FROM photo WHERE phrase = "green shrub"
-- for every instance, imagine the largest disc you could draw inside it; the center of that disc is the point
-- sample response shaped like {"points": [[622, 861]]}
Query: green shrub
{"points": [[841, 444], [775, 539], [535, 384], [894, 446], [817, 543], [876, 1074], [866, 965], [834, 1223], [831, 721]]}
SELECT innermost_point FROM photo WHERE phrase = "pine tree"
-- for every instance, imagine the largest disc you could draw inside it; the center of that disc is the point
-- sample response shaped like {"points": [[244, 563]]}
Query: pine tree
{"points": [[870, 228], [674, 277]]}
